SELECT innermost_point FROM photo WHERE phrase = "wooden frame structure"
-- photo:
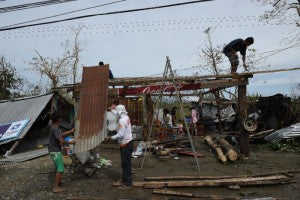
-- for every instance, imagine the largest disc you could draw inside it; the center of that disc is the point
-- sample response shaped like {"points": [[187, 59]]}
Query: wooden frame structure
{"points": [[211, 82]]}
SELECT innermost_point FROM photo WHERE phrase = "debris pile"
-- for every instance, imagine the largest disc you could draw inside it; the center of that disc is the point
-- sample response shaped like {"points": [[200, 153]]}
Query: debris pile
{"points": [[86, 162], [285, 133], [171, 148]]}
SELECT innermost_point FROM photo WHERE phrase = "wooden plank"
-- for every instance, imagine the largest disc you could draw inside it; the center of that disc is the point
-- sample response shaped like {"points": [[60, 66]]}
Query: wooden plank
{"points": [[197, 177], [150, 80], [242, 106], [248, 181], [187, 194]]}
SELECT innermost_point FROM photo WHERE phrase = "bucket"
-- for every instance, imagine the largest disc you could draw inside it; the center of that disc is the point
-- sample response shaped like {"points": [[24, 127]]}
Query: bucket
{"points": [[69, 151]]}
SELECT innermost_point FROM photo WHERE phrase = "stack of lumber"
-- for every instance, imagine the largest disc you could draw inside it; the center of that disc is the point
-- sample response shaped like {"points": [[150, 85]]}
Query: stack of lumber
{"points": [[160, 183], [216, 181]]}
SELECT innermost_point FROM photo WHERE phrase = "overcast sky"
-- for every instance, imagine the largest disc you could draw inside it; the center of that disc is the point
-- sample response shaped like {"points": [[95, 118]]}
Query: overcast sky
{"points": [[136, 44]]}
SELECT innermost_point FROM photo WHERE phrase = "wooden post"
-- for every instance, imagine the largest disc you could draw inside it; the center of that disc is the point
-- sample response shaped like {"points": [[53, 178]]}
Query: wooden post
{"points": [[242, 108], [145, 116], [217, 97]]}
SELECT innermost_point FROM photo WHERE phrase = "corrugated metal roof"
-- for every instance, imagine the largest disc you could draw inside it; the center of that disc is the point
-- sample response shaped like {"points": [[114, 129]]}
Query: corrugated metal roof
{"points": [[23, 108], [92, 108]]}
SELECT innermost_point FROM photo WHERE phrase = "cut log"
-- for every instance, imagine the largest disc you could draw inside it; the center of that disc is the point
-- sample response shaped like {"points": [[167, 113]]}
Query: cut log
{"points": [[230, 152], [187, 194], [216, 148], [196, 177], [251, 181]]}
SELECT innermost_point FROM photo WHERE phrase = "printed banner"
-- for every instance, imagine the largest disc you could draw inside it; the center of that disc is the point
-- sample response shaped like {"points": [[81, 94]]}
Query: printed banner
{"points": [[156, 88], [12, 130]]}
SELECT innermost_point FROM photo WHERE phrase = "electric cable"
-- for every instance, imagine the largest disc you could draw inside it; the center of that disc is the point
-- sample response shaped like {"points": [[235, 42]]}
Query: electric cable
{"points": [[103, 14]]}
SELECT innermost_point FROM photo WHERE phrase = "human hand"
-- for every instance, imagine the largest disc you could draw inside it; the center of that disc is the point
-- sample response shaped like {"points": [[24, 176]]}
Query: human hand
{"points": [[72, 142], [245, 66]]}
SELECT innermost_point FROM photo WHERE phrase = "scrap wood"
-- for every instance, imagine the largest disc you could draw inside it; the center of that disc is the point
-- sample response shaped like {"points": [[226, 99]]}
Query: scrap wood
{"points": [[190, 153], [186, 194], [84, 198], [215, 147], [134, 184], [230, 152], [261, 134], [170, 141], [196, 177], [248, 181]]}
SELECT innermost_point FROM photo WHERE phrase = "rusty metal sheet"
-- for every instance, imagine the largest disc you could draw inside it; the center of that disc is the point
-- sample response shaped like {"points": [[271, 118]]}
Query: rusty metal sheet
{"points": [[92, 108], [134, 108]]}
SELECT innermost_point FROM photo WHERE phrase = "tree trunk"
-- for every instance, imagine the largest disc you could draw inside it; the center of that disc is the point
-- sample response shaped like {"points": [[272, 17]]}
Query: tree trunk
{"points": [[216, 148], [230, 152]]}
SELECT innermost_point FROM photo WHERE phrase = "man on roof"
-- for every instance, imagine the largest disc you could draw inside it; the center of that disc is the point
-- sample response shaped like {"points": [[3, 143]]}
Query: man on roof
{"points": [[231, 49]]}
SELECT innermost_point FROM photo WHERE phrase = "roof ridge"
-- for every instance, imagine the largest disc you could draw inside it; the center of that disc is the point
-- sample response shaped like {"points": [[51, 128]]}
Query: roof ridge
{"points": [[25, 98]]}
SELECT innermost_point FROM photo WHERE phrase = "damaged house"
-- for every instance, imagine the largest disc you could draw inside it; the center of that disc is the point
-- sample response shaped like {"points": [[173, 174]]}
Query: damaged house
{"points": [[24, 125]]}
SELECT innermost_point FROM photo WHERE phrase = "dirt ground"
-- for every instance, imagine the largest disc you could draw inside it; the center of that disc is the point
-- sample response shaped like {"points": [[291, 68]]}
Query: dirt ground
{"points": [[33, 179]]}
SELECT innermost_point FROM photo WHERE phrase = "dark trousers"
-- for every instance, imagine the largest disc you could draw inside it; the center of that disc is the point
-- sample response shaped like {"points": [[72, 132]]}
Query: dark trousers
{"points": [[234, 61], [126, 163]]}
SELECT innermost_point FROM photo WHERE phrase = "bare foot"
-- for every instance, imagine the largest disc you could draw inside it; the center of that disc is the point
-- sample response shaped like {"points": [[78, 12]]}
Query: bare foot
{"points": [[59, 189]]}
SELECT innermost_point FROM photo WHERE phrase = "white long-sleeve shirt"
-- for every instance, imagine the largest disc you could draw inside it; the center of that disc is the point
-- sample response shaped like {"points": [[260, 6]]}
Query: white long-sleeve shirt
{"points": [[124, 134]]}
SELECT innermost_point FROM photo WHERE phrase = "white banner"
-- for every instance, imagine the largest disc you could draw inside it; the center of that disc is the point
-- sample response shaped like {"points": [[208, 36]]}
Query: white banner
{"points": [[12, 130]]}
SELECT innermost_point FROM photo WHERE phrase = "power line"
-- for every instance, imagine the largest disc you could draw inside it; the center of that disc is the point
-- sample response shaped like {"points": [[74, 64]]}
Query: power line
{"points": [[139, 24], [107, 13], [273, 52], [189, 57], [47, 34], [129, 25], [32, 5], [213, 19], [66, 13]]}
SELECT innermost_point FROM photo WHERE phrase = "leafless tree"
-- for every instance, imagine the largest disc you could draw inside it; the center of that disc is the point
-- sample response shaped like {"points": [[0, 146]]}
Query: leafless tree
{"points": [[211, 56], [60, 69], [284, 11], [280, 8], [295, 90]]}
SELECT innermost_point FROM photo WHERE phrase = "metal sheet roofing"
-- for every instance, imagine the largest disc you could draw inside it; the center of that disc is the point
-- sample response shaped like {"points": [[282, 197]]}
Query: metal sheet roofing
{"points": [[23, 108], [92, 108]]}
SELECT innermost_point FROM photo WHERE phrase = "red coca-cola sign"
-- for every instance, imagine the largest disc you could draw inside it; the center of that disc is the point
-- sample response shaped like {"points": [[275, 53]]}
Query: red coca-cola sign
{"points": [[154, 89]]}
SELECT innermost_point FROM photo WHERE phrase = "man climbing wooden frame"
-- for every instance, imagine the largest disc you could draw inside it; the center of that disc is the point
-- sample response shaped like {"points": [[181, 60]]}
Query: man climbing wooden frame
{"points": [[168, 69]]}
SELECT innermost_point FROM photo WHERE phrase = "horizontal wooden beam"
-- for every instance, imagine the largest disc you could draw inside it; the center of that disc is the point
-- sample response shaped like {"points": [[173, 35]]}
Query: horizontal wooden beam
{"points": [[130, 81], [155, 89]]}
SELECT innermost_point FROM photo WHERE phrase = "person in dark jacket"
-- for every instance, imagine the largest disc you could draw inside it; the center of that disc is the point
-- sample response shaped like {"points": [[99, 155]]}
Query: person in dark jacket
{"points": [[231, 49], [110, 76]]}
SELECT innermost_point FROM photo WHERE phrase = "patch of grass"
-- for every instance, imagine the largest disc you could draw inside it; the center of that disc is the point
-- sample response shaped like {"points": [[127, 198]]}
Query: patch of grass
{"points": [[289, 146]]}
